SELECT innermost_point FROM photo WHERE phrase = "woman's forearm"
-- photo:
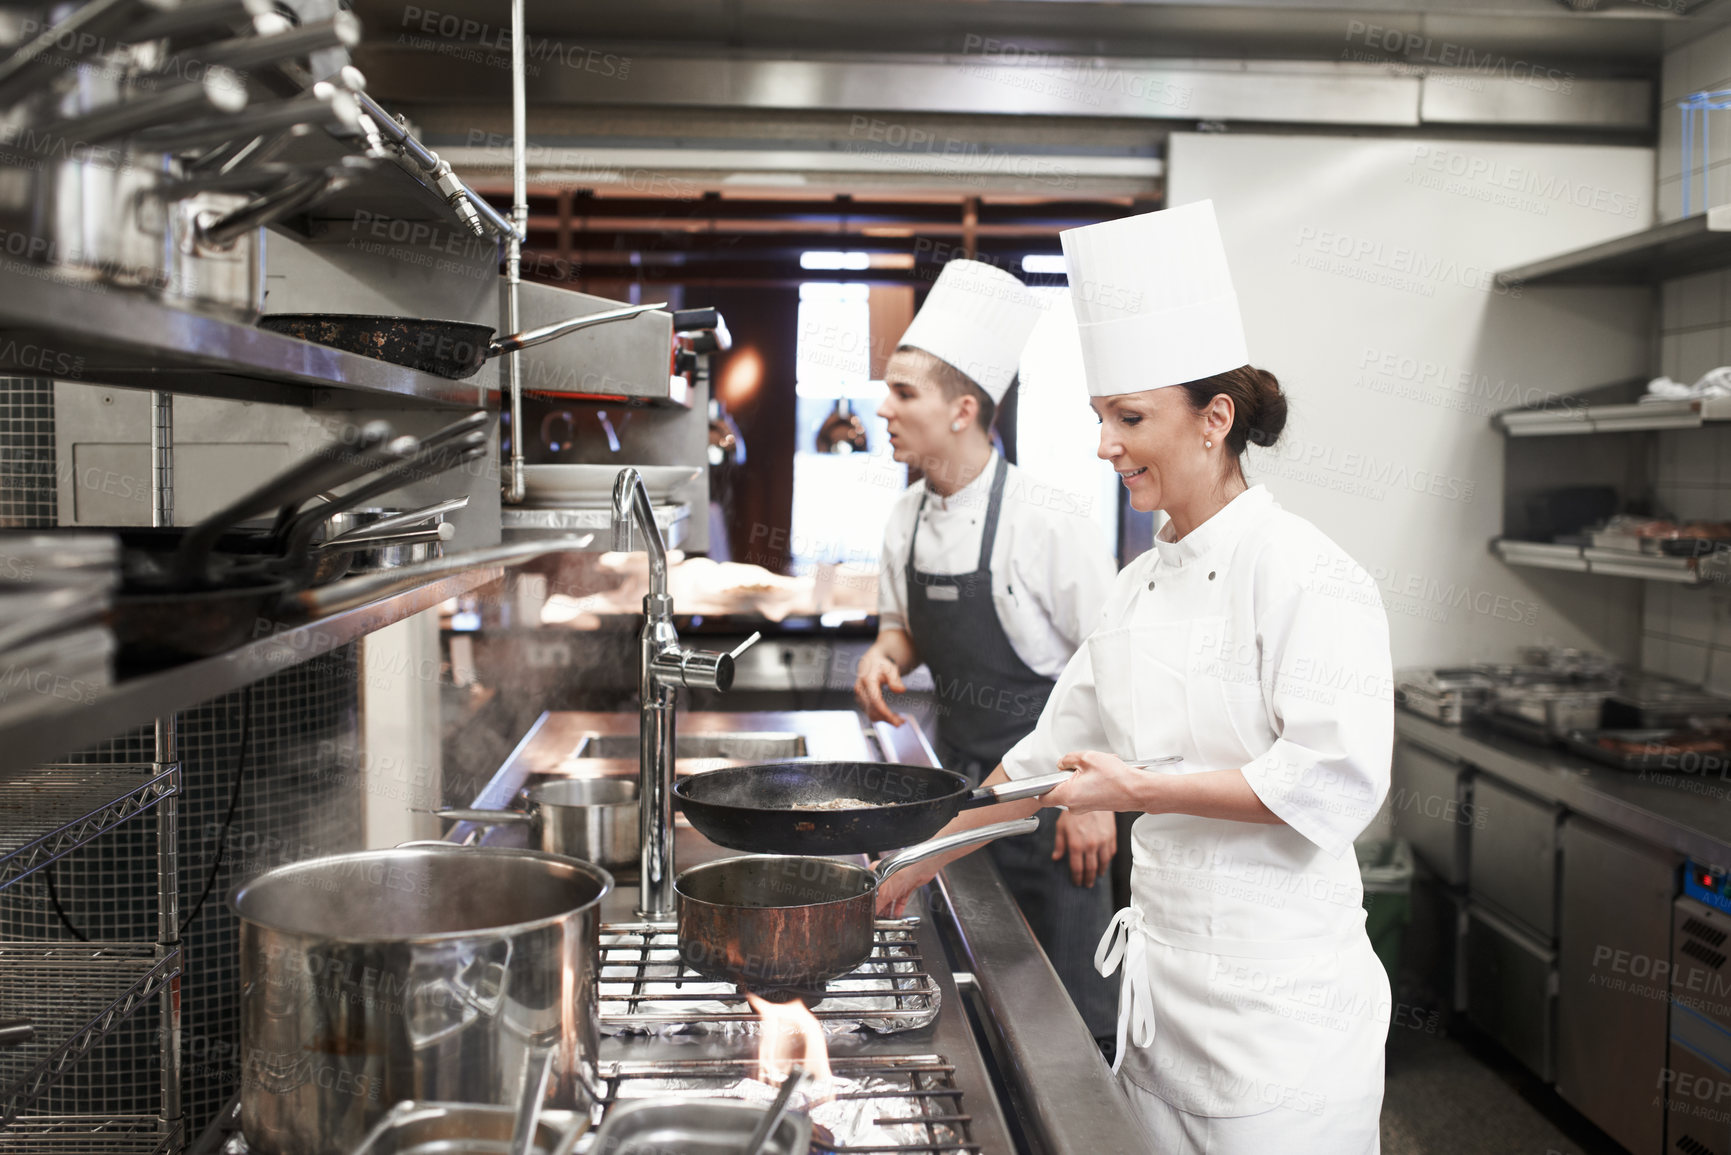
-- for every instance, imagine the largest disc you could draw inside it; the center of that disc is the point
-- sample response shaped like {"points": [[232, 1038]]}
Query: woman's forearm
{"points": [[1212, 794], [985, 816]]}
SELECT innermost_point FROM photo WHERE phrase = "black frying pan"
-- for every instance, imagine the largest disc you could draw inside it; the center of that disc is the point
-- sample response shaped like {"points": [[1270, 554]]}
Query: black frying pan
{"points": [[453, 349], [757, 808]]}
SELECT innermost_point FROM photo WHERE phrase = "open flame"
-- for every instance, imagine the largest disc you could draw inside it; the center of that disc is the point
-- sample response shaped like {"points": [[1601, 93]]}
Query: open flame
{"points": [[789, 1033]]}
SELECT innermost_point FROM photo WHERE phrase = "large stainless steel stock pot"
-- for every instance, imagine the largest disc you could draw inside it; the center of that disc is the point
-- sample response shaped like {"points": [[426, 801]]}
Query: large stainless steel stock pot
{"points": [[426, 973]]}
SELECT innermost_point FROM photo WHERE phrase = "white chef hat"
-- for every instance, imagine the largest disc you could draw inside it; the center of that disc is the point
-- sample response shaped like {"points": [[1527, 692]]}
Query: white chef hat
{"points": [[977, 318], [1154, 300]]}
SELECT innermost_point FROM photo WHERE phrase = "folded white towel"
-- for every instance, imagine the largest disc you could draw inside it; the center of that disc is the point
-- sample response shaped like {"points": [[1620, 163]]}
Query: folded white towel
{"points": [[1713, 383]]}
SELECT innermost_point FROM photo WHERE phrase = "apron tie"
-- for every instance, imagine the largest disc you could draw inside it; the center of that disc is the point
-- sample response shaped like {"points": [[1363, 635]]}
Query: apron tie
{"points": [[1123, 945]]}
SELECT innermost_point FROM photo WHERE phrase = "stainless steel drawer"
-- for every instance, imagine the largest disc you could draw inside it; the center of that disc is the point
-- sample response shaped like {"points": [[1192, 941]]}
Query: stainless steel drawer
{"points": [[1513, 865], [1614, 935], [1431, 799], [1511, 989]]}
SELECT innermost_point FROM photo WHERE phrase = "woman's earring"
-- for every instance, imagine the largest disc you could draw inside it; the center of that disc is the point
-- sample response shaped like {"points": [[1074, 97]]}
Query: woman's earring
{"points": [[1207, 444], [955, 427]]}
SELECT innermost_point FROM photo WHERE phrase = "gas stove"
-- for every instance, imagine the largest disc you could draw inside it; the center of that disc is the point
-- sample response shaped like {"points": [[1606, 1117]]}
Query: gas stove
{"points": [[903, 1103], [645, 989]]}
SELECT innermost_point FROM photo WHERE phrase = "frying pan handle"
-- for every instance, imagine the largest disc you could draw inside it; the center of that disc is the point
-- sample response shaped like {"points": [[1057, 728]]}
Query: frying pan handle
{"points": [[1015, 791], [955, 841], [532, 337]]}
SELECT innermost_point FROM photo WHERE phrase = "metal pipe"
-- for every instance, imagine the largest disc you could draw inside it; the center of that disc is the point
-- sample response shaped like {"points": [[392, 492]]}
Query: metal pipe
{"points": [[514, 487], [168, 923], [468, 203]]}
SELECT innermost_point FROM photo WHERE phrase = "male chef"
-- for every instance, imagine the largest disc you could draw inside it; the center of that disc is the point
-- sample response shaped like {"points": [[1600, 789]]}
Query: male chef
{"points": [[993, 585]]}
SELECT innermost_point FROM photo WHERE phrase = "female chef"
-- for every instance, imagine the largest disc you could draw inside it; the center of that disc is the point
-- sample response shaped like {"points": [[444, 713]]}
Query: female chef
{"points": [[1251, 645], [992, 583]]}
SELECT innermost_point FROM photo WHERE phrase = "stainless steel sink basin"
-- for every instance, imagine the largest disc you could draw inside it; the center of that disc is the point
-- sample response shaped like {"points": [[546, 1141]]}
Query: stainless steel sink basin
{"points": [[749, 747]]}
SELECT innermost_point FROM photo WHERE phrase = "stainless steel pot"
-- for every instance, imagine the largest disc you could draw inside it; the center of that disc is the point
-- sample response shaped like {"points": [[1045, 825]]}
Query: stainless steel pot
{"points": [[594, 819], [125, 222], [465, 1129], [421, 973]]}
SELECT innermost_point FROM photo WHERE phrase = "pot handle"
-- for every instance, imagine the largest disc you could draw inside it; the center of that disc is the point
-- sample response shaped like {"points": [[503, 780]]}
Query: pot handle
{"points": [[1015, 791], [955, 841], [484, 817], [290, 197], [532, 337]]}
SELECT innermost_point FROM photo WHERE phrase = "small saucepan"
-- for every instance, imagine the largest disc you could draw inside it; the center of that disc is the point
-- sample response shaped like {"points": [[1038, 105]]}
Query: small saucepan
{"points": [[774, 922], [592, 819]]}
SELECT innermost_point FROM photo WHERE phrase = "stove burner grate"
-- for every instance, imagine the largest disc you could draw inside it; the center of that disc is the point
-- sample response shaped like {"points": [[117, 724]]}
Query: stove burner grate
{"points": [[891, 1105], [645, 987]]}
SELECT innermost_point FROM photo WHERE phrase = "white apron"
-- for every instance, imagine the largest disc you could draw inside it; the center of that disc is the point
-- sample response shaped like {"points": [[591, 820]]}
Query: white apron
{"points": [[1249, 985]]}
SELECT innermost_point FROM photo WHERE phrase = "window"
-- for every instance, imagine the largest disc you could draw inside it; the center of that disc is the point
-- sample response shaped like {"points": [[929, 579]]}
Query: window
{"points": [[840, 500]]}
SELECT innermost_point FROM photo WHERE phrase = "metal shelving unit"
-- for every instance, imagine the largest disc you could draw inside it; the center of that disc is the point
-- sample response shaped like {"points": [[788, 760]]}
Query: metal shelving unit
{"points": [[95, 986], [46, 812], [80, 1135], [1605, 562], [134, 701], [1692, 245], [1644, 417], [527, 523], [124, 337]]}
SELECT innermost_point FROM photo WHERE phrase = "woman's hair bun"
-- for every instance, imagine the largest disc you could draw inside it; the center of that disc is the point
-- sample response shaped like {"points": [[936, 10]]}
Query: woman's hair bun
{"points": [[1268, 417], [1258, 405]]}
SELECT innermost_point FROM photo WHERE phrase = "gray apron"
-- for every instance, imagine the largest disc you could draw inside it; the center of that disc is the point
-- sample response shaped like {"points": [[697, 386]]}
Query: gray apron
{"points": [[987, 701]]}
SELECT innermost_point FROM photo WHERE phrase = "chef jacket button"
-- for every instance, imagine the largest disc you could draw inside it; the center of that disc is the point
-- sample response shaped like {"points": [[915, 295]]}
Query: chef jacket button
{"points": [[1210, 575], [1150, 585]]}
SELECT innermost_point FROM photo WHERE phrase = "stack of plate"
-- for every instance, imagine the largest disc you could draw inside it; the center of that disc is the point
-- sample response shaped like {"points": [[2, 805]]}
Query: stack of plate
{"points": [[591, 486], [55, 650]]}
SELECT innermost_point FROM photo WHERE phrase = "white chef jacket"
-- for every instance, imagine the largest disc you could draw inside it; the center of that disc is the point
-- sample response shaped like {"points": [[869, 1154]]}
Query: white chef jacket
{"points": [[1253, 643], [1050, 569]]}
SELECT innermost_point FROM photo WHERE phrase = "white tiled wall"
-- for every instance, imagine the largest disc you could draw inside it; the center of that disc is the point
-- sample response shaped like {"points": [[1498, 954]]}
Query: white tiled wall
{"points": [[1681, 629], [1686, 633]]}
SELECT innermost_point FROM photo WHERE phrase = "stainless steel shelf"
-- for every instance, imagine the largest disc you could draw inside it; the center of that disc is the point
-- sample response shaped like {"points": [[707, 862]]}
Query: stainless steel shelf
{"points": [[136, 701], [48, 811], [1604, 562], [1643, 417], [91, 988], [1540, 555], [79, 330], [1692, 245], [528, 523], [91, 1135]]}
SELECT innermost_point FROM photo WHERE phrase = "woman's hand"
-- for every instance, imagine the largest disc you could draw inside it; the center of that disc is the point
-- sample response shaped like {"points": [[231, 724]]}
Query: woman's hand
{"points": [[1100, 782], [894, 891], [1089, 840]]}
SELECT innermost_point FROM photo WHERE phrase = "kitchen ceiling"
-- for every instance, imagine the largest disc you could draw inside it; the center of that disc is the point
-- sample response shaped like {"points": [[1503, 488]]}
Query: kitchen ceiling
{"points": [[849, 124], [1603, 34]]}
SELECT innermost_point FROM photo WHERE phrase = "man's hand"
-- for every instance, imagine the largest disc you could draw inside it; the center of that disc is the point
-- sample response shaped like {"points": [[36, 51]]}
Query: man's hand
{"points": [[1090, 841], [876, 670]]}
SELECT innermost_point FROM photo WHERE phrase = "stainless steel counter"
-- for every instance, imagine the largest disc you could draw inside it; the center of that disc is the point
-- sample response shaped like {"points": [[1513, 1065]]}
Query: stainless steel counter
{"points": [[1688, 813], [1061, 1097]]}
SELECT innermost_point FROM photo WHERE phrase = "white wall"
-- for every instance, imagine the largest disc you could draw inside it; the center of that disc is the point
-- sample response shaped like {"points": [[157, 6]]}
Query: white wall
{"points": [[1364, 270], [400, 771]]}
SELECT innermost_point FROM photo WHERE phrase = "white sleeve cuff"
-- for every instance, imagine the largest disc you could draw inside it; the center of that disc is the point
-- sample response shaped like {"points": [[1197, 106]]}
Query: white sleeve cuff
{"points": [[1328, 804]]}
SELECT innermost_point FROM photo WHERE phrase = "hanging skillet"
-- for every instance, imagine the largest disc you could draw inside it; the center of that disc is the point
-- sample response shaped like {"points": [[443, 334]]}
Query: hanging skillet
{"points": [[453, 349]]}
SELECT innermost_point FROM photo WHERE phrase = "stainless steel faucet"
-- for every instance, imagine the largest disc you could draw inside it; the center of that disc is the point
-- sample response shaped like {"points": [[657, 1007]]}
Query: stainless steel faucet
{"points": [[663, 667]]}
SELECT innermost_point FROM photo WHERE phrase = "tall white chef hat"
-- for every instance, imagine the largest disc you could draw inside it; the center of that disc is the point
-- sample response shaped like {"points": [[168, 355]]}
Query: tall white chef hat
{"points": [[977, 317], [1154, 300]]}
